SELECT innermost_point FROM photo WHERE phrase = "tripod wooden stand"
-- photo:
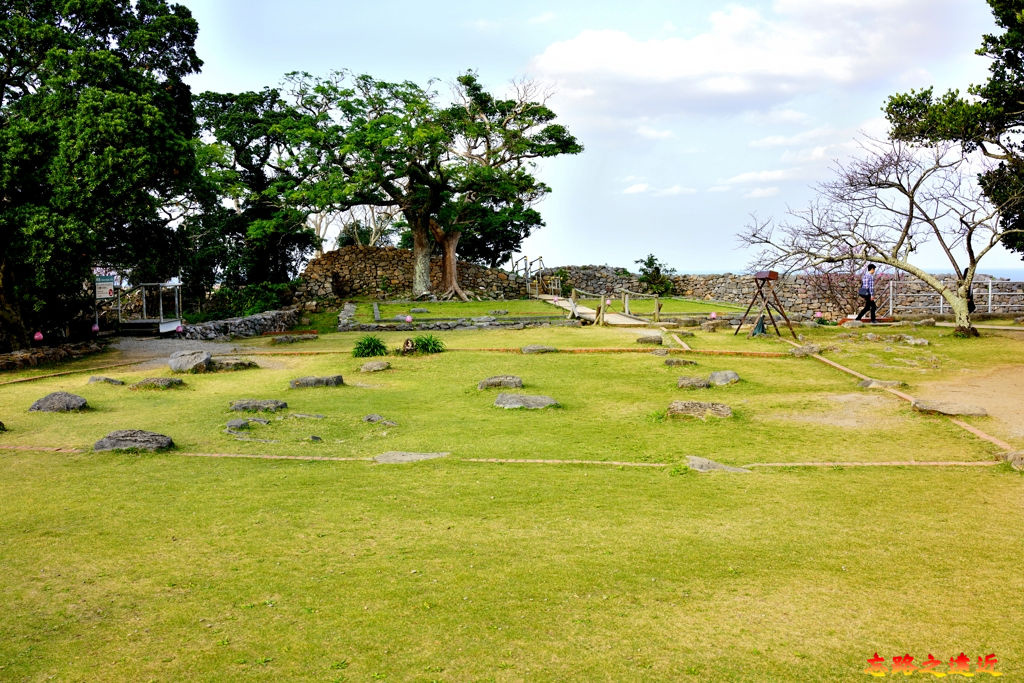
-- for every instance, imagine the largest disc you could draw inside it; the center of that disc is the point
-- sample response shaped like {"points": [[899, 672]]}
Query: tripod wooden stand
{"points": [[769, 300]]}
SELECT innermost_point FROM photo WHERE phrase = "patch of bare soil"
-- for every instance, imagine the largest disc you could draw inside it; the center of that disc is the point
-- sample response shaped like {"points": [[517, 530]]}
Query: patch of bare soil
{"points": [[845, 410], [1000, 391]]}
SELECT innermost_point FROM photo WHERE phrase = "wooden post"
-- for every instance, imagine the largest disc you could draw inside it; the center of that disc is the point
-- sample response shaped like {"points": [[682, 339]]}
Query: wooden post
{"points": [[625, 302], [657, 309]]}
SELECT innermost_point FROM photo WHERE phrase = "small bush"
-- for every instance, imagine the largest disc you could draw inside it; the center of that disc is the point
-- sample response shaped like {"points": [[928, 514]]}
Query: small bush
{"points": [[428, 343], [655, 275], [369, 346]]}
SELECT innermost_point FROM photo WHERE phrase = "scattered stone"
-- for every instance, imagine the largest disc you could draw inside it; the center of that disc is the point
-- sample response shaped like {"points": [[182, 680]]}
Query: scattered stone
{"points": [[1016, 459], [298, 416], [240, 423], [853, 323], [809, 323], [650, 339], [108, 380], [699, 409], [679, 361], [292, 338], [498, 311], [710, 325], [693, 383], [722, 378], [375, 366], [304, 382], [399, 318], [927, 322], [659, 352], [699, 464], [527, 401], [2, 427], [507, 381], [157, 383], [379, 419], [315, 439], [685, 333], [231, 364], [539, 348], [262, 405], [484, 319], [688, 322], [418, 310], [59, 402], [872, 337], [911, 341], [399, 457], [899, 323], [948, 408], [190, 361], [881, 384], [806, 350], [135, 439]]}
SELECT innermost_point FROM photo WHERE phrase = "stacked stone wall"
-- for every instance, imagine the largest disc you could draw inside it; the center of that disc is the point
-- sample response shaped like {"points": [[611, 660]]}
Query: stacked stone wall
{"points": [[387, 272]]}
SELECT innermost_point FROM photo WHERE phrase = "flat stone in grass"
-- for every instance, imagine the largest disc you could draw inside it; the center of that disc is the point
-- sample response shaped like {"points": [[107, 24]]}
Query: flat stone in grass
{"points": [[700, 464], [190, 361], [157, 383], [106, 380], [498, 381], [539, 348], [853, 323], [399, 457], [509, 401], [679, 361], [927, 322], [806, 350], [304, 382], [699, 409], [244, 422], [498, 311], [59, 402], [649, 339], [1016, 459], [231, 364], [133, 438], [259, 405], [300, 416], [374, 418], [948, 408], [292, 338], [693, 383], [419, 310], [881, 384], [375, 366], [659, 352], [722, 378]]}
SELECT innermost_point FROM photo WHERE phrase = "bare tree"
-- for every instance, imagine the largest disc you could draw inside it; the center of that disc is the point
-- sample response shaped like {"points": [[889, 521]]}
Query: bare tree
{"points": [[882, 207]]}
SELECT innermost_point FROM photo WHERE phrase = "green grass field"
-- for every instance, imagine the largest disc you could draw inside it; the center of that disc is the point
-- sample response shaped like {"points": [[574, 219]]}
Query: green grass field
{"points": [[167, 567]]}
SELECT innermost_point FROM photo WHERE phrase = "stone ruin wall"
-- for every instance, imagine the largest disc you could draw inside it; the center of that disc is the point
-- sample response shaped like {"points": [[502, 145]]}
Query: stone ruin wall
{"points": [[387, 273]]}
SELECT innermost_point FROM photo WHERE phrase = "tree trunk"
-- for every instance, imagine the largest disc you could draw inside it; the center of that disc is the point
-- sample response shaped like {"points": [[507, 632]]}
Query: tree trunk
{"points": [[13, 335], [962, 316], [420, 262], [450, 266]]}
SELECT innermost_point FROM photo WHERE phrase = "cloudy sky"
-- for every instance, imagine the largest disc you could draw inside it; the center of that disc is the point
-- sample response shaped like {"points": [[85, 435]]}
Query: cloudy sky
{"points": [[695, 114]]}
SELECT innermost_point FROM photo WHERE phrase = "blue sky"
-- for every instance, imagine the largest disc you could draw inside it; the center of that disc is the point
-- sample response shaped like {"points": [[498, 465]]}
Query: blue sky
{"points": [[694, 114]]}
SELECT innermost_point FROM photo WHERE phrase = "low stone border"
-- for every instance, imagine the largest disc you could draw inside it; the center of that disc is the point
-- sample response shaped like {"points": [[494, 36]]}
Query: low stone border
{"points": [[460, 324], [249, 326]]}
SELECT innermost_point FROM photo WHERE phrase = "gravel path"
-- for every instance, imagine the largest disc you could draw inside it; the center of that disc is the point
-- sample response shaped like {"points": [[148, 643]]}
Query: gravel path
{"points": [[139, 347]]}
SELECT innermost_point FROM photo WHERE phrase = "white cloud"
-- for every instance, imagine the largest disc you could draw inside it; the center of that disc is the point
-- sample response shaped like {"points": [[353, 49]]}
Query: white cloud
{"points": [[763, 176], [674, 191], [638, 188], [543, 18], [789, 140], [484, 25], [654, 133], [761, 192]]}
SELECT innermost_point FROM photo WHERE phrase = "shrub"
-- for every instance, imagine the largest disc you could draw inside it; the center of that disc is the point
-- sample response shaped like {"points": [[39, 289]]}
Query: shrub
{"points": [[368, 346], [655, 275], [428, 343]]}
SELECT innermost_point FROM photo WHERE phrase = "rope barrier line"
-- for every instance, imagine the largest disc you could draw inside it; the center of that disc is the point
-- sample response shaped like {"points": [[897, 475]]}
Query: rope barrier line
{"points": [[910, 399], [74, 372]]}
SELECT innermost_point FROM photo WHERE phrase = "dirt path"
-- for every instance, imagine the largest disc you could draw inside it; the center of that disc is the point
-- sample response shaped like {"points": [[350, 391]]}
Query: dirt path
{"points": [[999, 390]]}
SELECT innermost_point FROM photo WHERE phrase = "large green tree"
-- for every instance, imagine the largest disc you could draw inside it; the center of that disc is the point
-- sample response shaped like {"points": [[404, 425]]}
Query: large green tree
{"points": [[96, 131], [463, 168], [989, 119]]}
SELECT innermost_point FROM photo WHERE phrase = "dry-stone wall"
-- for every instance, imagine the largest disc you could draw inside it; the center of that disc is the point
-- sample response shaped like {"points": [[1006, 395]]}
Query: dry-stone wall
{"points": [[597, 279], [249, 326], [387, 272]]}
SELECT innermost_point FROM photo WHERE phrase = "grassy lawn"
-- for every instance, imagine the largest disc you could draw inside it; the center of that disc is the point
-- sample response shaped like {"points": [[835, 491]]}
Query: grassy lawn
{"points": [[165, 567], [671, 306], [453, 309]]}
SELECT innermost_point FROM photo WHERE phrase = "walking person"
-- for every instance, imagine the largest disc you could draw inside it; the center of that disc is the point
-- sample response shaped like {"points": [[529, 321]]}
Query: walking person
{"points": [[867, 292]]}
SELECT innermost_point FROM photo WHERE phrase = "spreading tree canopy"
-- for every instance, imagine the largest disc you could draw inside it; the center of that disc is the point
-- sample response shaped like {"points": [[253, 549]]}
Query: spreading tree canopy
{"points": [[96, 131], [991, 119]]}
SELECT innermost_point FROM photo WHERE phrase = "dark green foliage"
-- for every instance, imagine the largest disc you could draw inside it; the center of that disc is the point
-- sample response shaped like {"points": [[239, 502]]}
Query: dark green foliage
{"points": [[95, 131], [428, 343], [991, 119], [231, 302], [655, 275], [563, 277], [368, 346]]}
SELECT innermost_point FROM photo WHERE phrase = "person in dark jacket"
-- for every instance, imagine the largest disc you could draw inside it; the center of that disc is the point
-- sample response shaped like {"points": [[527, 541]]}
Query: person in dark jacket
{"points": [[867, 292]]}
